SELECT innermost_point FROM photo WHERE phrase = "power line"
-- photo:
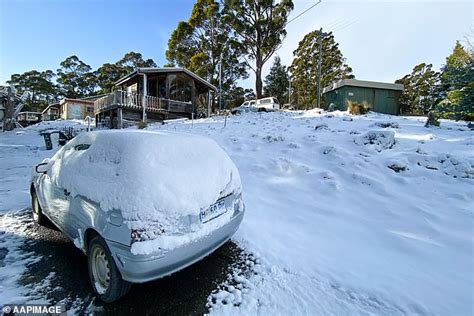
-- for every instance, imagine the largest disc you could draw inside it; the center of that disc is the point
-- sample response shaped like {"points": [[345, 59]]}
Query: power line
{"points": [[319, 1], [345, 26]]}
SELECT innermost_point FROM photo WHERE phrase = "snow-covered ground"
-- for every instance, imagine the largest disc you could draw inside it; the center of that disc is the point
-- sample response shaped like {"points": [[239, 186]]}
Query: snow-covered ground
{"points": [[344, 214]]}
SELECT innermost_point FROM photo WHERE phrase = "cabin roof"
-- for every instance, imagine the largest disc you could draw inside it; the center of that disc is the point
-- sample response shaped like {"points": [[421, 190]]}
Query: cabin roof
{"points": [[55, 104], [75, 101], [363, 84], [29, 112], [151, 70]]}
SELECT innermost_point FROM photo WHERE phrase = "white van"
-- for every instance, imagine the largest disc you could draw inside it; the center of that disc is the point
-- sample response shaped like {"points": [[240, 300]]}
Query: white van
{"points": [[267, 104]]}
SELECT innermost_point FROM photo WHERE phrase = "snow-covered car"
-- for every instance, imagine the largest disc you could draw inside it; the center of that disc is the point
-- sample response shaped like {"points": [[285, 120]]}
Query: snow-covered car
{"points": [[141, 205], [267, 104]]}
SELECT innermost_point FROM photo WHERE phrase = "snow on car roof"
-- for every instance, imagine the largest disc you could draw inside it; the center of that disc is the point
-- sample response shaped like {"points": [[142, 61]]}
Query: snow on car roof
{"points": [[146, 175]]}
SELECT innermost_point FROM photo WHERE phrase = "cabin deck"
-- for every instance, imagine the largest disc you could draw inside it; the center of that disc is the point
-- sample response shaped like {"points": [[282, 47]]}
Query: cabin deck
{"points": [[118, 106]]}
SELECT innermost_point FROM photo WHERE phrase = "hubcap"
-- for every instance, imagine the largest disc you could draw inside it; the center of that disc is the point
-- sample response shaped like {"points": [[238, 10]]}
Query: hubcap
{"points": [[100, 269]]}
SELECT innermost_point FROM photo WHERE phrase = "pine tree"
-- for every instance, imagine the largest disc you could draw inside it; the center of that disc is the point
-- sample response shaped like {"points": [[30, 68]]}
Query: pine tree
{"points": [[420, 90], [457, 77], [260, 28], [75, 78], [108, 74], [304, 68], [39, 86], [276, 82], [205, 41]]}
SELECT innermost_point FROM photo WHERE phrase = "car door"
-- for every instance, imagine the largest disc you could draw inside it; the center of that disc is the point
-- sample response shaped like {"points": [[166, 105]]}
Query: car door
{"points": [[55, 198], [78, 211]]}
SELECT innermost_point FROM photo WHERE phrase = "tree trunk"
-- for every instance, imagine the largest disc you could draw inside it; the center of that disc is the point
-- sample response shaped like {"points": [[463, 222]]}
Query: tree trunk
{"points": [[258, 79]]}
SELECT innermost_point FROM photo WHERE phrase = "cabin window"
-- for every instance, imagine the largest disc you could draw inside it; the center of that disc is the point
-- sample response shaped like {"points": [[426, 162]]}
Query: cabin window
{"points": [[132, 88], [180, 88], [89, 109], [391, 94]]}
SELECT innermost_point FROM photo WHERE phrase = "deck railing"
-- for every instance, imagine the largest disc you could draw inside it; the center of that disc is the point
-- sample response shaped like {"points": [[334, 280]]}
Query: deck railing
{"points": [[126, 99]]}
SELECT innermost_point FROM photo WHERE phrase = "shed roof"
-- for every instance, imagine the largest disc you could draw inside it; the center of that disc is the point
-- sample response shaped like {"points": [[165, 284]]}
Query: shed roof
{"points": [[75, 101], [152, 70], [364, 84]]}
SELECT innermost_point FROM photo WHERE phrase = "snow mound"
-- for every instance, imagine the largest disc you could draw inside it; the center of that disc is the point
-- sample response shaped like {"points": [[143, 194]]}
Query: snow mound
{"points": [[59, 125], [386, 124], [378, 140], [449, 165], [149, 176]]}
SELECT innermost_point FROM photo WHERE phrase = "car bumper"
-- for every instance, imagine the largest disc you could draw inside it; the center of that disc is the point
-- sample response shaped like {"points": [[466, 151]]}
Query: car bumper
{"points": [[144, 268]]}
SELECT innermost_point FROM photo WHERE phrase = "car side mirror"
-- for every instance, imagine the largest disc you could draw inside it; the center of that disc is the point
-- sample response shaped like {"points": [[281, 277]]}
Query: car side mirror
{"points": [[41, 167]]}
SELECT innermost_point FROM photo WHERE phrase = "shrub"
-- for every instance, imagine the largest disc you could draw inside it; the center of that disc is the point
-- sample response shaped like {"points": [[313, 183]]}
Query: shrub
{"points": [[432, 119], [142, 125], [458, 116], [358, 108]]}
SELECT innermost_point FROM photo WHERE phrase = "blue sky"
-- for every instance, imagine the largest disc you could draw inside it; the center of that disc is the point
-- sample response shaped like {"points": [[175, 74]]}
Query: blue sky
{"points": [[382, 40]]}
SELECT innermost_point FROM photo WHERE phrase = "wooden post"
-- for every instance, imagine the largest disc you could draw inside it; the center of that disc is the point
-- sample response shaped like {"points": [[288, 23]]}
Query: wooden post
{"points": [[119, 117], [193, 95], [145, 92], [208, 102], [111, 115], [168, 86]]}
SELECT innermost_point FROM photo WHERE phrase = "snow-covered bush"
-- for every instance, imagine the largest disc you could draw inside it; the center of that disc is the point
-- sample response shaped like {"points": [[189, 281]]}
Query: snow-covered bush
{"points": [[378, 140], [449, 165]]}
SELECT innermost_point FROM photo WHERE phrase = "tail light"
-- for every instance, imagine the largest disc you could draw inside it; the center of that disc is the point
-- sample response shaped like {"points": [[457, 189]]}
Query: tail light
{"points": [[238, 205], [138, 235], [143, 234]]}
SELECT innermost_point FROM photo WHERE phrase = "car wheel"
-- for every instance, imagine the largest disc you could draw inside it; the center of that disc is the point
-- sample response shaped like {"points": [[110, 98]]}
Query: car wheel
{"points": [[262, 110], [38, 216], [103, 273]]}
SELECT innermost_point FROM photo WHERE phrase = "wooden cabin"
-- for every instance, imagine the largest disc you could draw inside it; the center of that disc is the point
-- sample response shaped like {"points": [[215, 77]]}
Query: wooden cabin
{"points": [[28, 118], [51, 112], [153, 94], [75, 109]]}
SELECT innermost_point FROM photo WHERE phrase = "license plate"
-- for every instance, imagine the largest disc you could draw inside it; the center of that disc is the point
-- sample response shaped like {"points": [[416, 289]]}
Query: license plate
{"points": [[213, 211]]}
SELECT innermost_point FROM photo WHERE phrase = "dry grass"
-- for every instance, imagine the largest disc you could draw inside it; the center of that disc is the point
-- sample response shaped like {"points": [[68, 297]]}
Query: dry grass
{"points": [[142, 125], [358, 108]]}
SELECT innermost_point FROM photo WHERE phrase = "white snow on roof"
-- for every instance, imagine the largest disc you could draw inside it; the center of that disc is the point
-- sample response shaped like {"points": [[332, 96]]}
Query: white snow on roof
{"points": [[364, 84]]}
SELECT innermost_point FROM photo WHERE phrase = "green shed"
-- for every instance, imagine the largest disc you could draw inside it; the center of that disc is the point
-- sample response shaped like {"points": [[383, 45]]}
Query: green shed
{"points": [[380, 96]]}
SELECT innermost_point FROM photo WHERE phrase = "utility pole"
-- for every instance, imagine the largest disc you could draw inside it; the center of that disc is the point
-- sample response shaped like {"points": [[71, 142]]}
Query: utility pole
{"points": [[289, 90], [319, 66], [220, 83]]}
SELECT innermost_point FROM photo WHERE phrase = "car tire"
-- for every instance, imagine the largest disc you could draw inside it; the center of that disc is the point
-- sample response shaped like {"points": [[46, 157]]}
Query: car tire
{"points": [[105, 278], [262, 110], [38, 216]]}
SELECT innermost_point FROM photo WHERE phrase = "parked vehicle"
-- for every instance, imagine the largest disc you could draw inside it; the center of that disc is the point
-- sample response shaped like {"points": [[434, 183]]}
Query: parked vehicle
{"points": [[141, 205], [267, 104], [244, 108], [288, 106]]}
